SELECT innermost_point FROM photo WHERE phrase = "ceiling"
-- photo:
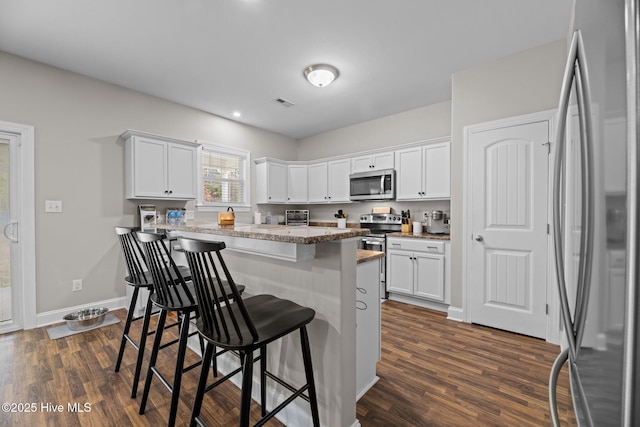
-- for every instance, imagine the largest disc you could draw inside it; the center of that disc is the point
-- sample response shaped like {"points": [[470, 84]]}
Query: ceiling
{"points": [[222, 56]]}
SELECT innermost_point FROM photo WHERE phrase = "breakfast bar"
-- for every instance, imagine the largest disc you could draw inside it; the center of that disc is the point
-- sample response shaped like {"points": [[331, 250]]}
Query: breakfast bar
{"points": [[314, 267]]}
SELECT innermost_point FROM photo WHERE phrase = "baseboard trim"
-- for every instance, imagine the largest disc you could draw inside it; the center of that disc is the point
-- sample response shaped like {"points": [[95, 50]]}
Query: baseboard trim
{"points": [[455, 313], [56, 316]]}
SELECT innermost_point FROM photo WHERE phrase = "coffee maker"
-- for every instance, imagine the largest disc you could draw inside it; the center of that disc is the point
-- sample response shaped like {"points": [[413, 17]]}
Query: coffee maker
{"points": [[437, 222]]}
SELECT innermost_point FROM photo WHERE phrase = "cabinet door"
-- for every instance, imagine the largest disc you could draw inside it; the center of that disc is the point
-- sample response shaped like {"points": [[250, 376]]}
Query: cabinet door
{"points": [[317, 182], [149, 168], [383, 160], [276, 182], [338, 180], [409, 174], [437, 171], [181, 161], [297, 184], [361, 164], [429, 279], [400, 271]]}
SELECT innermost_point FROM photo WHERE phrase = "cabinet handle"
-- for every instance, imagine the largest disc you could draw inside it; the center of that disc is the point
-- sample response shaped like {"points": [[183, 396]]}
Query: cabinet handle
{"points": [[170, 191]]}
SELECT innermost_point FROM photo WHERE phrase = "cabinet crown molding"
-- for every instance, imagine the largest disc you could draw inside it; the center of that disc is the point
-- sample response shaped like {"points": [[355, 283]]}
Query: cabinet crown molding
{"points": [[131, 132]]}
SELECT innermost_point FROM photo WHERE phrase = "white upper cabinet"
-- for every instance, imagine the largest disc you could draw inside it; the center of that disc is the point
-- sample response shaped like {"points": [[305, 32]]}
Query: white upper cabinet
{"points": [[374, 161], [158, 167], [297, 191], [329, 181], [424, 172], [271, 181], [318, 182], [338, 180]]}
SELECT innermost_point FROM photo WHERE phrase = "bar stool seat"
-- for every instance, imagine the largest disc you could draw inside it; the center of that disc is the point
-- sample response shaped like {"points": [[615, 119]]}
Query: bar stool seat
{"points": [[244, 325]]}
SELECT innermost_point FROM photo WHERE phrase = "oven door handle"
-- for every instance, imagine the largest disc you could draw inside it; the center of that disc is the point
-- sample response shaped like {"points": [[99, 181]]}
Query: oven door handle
{"points": [[372, 242]]}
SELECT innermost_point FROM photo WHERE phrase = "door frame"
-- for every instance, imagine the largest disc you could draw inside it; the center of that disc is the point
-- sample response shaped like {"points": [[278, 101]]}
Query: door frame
{"points": [[26, 224], [553, 317]]}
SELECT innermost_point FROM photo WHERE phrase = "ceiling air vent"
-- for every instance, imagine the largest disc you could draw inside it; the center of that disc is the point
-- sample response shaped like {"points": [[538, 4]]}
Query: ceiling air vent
{"points": [[284, 102]]}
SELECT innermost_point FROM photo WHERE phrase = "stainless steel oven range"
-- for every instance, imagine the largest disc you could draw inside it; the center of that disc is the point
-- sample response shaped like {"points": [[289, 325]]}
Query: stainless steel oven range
{"points": [[380, 225]]}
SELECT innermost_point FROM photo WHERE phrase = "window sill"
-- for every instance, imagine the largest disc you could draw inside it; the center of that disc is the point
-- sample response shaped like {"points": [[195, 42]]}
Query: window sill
{"points": [[222, 208]]}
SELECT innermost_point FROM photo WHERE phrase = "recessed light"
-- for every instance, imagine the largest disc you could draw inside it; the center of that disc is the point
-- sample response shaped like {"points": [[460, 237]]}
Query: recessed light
{"points": [[236, 114]]}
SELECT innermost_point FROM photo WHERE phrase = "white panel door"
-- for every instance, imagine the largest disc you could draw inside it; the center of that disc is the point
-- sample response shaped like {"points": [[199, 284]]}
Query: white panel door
{"points": [[338, 180], [150, 168], [429, 281], [318, 182], [297, 184], [400, 271], [181, 174], [409, 174], [507, 282]]}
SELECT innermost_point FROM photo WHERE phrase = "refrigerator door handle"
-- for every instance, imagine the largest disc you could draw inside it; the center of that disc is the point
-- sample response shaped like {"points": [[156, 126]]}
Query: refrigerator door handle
{"points": [[558, 194], [553, 385], [588, 206]]}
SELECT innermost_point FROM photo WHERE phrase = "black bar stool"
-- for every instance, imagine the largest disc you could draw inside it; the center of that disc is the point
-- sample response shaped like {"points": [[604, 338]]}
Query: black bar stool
{"points": [[139, 278], [244, 326], [172, 294]]}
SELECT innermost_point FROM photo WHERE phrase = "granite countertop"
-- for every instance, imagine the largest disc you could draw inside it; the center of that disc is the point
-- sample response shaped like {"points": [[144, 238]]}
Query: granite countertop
{"points": [[273, 232], [421, 236], [364, 255]]}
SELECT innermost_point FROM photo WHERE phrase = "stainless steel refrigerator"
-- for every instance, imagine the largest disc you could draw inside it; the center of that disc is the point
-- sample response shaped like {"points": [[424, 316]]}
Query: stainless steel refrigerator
{"points": [[595, 215]]}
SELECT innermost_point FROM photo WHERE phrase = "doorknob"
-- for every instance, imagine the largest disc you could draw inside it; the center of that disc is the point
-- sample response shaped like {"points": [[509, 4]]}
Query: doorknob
{"points": [[13, 238], [479, 237]]}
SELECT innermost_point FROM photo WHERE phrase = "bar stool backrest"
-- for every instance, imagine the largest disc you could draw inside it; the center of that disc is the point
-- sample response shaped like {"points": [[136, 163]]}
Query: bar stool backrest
{"points": [[168, 283], [223, 321], [133, 254]]}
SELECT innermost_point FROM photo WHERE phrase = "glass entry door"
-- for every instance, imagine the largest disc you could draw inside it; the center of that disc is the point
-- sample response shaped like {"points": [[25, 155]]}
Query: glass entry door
{"points": [[9, 235]]}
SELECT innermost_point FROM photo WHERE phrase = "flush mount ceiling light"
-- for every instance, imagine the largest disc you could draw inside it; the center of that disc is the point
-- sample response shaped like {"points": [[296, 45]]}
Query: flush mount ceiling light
{"points": [[320, 75]]}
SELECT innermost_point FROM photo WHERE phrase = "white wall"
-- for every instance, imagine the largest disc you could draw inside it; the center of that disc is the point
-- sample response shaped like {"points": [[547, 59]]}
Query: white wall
{"points": [[79, 160], [428, 122], [523, 83]]}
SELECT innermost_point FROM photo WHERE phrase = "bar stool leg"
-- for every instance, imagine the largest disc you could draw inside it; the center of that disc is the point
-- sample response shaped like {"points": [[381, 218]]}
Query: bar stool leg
{"points": [[263, 380], [141, 346], [202, 383], [177, 379], [127, 326], [152, 361], [247, 382], [308, 370]]}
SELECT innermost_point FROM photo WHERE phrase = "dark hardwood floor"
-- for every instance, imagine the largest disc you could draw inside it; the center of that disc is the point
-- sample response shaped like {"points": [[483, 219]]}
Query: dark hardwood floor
{"points": [[433, 372], [437, 372]]}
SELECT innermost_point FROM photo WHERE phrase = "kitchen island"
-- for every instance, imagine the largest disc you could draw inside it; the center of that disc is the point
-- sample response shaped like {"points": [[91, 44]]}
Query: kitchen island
{"points": [[315, 267]]}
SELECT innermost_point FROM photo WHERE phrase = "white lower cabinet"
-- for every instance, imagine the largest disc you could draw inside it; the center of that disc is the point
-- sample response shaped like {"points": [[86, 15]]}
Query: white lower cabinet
{"points": [[367, 324], [416, 267]]}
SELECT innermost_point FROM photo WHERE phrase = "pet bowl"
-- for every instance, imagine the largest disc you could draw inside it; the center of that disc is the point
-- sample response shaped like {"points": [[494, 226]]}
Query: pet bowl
{"points": [[85, 319]]}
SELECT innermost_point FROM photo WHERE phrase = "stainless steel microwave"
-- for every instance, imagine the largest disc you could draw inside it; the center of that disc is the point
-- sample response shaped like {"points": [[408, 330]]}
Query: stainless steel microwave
{"points": [[373, 185]]}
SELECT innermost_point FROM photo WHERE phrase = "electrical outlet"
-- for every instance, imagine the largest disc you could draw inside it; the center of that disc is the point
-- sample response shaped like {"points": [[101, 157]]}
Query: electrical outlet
{"points": [[188, 215], [76, 285]]}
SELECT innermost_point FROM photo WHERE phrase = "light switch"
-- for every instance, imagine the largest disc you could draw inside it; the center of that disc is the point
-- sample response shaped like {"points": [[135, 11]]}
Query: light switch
{"points": [[53, 205]]}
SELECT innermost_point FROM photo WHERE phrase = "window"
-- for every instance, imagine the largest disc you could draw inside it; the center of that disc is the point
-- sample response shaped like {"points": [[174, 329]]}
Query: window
{"points": [[223, 178]]}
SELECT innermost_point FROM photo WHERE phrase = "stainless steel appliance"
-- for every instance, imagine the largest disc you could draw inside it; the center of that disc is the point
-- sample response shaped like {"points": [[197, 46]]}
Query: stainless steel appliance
{"points": [[598, 122], [437, 222], [379, 225], [373, 185], [296, 217]]}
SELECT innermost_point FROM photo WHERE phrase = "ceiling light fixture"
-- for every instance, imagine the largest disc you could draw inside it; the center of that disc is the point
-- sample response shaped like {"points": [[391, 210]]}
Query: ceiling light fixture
{"points": [[320, 75], [237, 114]]}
